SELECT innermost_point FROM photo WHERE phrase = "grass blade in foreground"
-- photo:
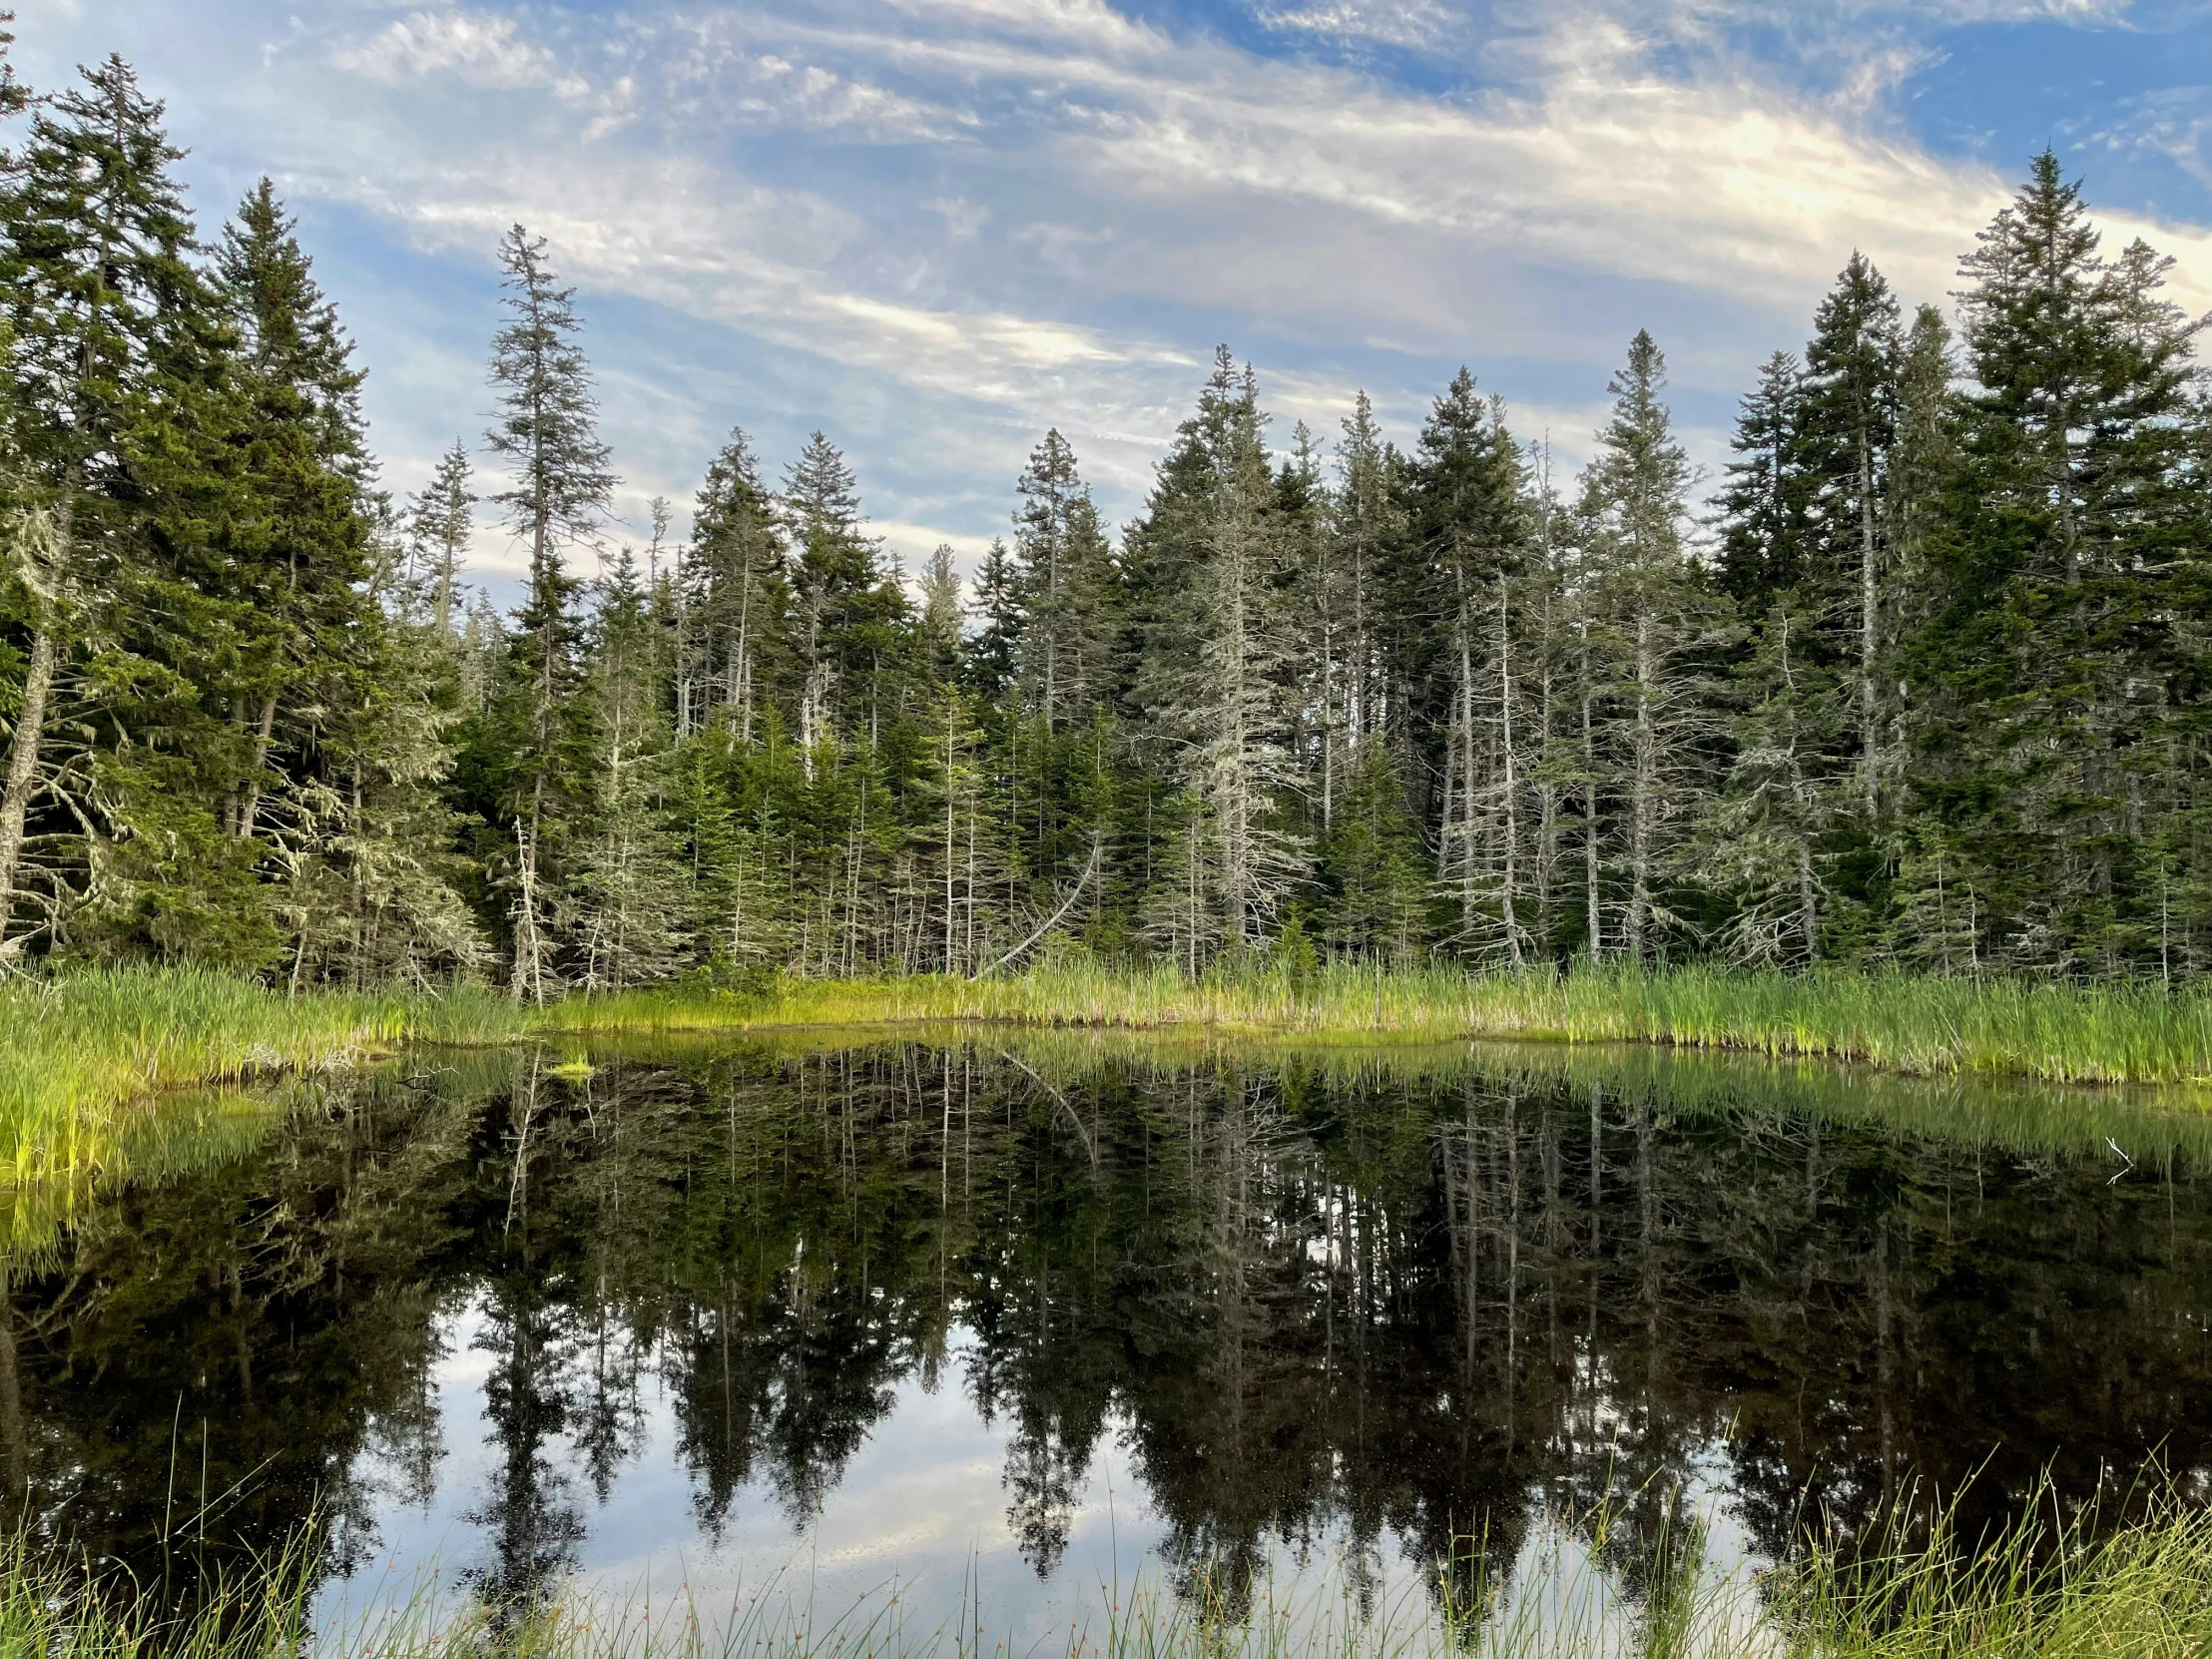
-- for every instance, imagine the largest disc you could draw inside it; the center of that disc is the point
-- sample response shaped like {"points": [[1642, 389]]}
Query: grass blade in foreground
{"points": [[2042, 1590]]}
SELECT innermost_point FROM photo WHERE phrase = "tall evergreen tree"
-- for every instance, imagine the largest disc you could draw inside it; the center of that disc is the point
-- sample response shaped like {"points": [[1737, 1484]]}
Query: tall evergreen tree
{"points": [[560, 485], [1654, 616], [629, 920], [1848, 426], [2053, 653], [1066, 586], [1214, 677], [846, 608], [1761, 504], [117, 354], [440, 526], [292, 558], [734, 598]]}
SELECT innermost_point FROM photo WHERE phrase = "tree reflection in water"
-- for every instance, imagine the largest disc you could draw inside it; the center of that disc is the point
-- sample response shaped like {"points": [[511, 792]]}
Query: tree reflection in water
{"points": [[1390, 1300]]}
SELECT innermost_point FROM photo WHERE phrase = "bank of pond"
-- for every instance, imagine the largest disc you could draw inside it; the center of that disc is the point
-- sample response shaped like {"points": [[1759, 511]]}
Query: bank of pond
{"points": [[82, 1053], [1535, 1346]]}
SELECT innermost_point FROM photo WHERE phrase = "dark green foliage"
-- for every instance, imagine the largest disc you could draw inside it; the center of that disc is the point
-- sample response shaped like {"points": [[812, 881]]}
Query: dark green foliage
{"points": [[2063, 677], [1933, 692]]}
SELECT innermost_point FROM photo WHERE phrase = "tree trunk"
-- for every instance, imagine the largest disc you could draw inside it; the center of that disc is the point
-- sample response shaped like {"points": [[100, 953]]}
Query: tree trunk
{"points": [[262, 735], [1506, 892], [23, 758], [528, 978], [1869, 621], [1643, 800], [445, 593], [952, 716], [1589, 808], [1807, 902]]}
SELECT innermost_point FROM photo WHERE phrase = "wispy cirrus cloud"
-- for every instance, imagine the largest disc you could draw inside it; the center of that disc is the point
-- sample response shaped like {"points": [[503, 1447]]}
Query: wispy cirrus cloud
{"points": [[938, 225], [482, 49]]}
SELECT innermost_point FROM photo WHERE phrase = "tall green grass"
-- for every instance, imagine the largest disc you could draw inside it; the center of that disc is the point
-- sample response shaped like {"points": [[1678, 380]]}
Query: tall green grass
{"points": [[2051, 1031], [2051, 1586], [81, 1055]]}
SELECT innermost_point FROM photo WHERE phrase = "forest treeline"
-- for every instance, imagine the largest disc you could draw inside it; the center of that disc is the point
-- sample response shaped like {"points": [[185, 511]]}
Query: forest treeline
{"points": [[1920, 680]]}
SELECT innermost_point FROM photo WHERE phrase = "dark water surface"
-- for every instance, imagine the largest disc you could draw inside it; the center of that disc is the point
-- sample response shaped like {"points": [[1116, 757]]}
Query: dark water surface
{"points": [[1014, 1321]]}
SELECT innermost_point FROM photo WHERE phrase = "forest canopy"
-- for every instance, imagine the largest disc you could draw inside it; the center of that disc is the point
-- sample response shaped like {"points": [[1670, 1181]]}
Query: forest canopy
{"points": [[1920, 680]]}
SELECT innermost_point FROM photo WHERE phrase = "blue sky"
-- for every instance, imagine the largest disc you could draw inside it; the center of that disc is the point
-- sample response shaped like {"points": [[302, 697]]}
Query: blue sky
{"points": [[934, 227]]}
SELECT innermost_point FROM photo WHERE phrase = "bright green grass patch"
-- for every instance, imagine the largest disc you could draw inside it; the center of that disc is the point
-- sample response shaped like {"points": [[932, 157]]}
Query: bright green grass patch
{"points": [[81, 1053], [1932, 1027]]}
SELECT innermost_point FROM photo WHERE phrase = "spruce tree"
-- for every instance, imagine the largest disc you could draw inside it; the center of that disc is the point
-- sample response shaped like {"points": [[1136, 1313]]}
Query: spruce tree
{"points": [[1761, 505], [1652, 619], [1213, 678], [842, 603], [1364, 523], [292, 558], [1846, 428], [627, 916], [118, 354], [560, 485], [2054, 665], [439, 528], [1065, 579], [735, 600], [1458, 660]]}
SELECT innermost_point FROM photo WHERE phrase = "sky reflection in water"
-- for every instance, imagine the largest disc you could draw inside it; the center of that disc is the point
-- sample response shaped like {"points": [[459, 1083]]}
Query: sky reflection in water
{"points": [[970, 1324]]}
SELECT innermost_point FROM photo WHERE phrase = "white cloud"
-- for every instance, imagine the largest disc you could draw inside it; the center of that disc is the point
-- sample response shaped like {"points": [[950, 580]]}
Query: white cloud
{"points": [[971, 219], [1416, 24], [482, 49]]}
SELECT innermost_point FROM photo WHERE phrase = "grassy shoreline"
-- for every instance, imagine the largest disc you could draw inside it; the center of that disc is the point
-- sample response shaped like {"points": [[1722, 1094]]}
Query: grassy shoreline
{"points": [[2046, 1032], [78, 1052]]}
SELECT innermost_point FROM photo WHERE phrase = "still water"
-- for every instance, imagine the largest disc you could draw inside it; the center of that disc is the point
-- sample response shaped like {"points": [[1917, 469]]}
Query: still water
{"points": [[1000, 1328]]}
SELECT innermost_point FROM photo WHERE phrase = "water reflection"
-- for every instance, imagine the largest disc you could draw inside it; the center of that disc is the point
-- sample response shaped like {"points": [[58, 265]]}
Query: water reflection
{"points": [[1291, 1304]]}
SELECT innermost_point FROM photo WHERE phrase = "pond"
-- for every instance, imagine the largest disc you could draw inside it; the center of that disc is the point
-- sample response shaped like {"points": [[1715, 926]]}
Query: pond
{"points": [[1005, 1326]]}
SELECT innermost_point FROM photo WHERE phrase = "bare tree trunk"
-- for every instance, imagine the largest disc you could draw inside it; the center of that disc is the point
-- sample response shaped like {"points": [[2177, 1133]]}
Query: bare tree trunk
{"points": [[1809, 913], [359, 887], [1595, 917], [1643, 800], [951, 718], [1328, 722], [1451, 826], [445, 591], [741, 693], [528, 978], [1467, 774], [23, 758], [1507, 893], [1869, 624], [262, 735]]}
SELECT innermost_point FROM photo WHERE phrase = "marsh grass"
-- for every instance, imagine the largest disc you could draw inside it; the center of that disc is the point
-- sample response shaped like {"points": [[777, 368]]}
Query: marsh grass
{"points": [[81, 1055], [2058, 1582], [2054, 1584], [2049, 1031]]}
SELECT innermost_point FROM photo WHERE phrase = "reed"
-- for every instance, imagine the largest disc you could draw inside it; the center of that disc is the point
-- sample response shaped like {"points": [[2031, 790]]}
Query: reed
{"points": [[80, 1054], [2050, 1031], [2050, 1587]]}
